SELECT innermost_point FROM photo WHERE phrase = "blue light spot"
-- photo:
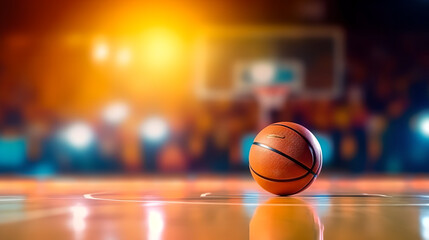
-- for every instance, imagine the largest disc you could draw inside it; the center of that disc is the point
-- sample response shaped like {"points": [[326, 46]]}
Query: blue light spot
{"points": [[246, 144], [327, 146]]}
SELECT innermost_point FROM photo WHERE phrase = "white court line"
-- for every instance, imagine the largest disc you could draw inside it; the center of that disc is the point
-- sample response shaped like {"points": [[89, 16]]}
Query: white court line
{"points": [[31, 215], [92, 197], [208, 194], [11, 199], [376, 195]]}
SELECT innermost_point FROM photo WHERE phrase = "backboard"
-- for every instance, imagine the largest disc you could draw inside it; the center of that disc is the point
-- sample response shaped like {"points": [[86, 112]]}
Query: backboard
{"points": [[230, 62]]}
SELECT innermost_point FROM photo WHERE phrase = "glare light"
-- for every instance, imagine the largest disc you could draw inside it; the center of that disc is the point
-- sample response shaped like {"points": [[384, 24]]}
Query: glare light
{"points": [[100, 51], [425, 127], [116, 113], [161, 47], [424, 228], [423, 123], [78, 135], [123, 57], [155, 224], [154, 129], [78, 220], [79, 211]]}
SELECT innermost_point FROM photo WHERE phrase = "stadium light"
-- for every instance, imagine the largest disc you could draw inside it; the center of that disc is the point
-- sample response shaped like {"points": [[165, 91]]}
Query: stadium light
{"points": [[115, 113], [154, 129], [100, 51], [78, 135], [423, 123], [424, 126]]}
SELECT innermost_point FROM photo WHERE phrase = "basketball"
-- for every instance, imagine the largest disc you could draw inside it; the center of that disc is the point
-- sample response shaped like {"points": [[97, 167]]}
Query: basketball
{"points": [[285, 158]]}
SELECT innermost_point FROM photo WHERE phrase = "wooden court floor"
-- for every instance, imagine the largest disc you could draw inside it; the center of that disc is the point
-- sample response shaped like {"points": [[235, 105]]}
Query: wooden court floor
{"points": [[212, 207]]}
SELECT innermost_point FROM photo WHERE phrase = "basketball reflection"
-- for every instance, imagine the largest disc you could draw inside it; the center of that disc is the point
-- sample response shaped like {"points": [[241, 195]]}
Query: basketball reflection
{"points": [[285, 218]]}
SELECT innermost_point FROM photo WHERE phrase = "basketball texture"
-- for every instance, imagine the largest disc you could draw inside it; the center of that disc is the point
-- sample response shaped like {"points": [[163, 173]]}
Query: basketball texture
{"points": [[285, 158]]}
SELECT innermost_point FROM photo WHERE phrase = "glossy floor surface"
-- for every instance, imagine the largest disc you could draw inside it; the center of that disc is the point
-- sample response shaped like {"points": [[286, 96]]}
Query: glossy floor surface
{"points": [[212, 208]]}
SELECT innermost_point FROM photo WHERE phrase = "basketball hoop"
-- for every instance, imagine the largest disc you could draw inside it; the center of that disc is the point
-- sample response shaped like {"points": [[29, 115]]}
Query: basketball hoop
{"points": [[270, 98]]}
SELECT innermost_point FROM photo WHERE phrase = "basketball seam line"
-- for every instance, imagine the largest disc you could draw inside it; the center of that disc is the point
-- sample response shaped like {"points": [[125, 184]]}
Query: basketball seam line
{"points": [[313, 153], [309, 182], [284, 155], [278, 180]]}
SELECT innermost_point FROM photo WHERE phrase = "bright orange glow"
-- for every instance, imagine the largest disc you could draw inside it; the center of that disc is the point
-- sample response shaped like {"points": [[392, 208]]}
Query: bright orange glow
{"points": [[160, 47], [100, 51]]}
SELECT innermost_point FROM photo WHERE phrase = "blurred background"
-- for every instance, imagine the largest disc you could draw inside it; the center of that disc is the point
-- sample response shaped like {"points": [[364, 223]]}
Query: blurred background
{"points": [[127, 87]]}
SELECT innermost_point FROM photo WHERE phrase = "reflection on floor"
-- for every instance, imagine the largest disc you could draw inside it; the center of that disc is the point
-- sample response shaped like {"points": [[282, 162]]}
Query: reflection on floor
{"points": [[212, 208]]}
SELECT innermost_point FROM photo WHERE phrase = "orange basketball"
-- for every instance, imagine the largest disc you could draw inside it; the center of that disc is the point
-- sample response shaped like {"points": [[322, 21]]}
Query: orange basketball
{"points": [[285, 158]]}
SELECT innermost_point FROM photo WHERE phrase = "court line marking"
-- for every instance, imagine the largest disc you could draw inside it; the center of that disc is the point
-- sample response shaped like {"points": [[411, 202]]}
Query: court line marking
{"points": [[12, 199], [32, 215], [211, 195], [205, 194], [92, 197], [376, 195]]}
